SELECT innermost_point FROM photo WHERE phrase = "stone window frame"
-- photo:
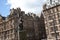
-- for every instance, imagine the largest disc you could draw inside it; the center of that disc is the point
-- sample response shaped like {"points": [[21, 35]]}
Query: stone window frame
{"points": [[50, 23], [51, 10], [53, 34], [58, 14], [52, 28], [59, 21], [58, 8]]}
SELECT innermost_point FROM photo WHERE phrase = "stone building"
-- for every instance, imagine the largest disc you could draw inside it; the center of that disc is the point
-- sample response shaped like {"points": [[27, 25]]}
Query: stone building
{"points": [[52, 3], [21, 26], [42, 30], [31, 26], [52, 22]]}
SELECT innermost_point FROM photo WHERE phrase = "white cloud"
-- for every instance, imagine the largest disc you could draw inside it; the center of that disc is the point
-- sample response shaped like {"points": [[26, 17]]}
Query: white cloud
{"points": [[34, 6]]}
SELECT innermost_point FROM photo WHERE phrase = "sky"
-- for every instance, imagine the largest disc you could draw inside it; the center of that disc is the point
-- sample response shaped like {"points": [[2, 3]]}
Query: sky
{"points": [[34, 6]]}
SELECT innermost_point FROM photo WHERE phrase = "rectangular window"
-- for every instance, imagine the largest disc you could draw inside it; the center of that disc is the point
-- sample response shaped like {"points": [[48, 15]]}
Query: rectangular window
{"points": [[58, 14], [50, 17], [59, 21], [49, 11], [50, 23], [53, 34], [55, 22], [54, 28]]}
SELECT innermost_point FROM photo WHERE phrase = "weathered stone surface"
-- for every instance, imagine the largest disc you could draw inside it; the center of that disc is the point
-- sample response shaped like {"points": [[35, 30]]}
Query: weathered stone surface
{"points": [[21, 26]]}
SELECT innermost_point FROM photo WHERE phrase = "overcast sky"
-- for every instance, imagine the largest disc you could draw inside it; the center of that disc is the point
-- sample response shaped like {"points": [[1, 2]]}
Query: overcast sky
{"points": [[34, 6]]}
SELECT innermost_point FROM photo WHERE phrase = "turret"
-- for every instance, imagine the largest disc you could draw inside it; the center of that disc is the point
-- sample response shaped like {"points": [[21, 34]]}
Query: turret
{"points": [[15, 11], [44, 6]]}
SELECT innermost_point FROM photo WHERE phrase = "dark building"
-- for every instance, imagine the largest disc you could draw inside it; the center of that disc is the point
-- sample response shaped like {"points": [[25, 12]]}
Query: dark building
{"points": [[31, 26], [42, 28]]}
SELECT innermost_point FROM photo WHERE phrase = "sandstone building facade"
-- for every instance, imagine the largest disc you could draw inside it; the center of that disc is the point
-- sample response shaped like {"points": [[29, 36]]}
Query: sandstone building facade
{"points": [[52, 22], [21, 26]]}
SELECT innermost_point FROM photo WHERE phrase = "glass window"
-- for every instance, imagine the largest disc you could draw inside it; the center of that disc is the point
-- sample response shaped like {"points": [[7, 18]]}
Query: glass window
{"points": [[58, 14], [55, 22], [50, 17], [52, 28], [11, 31], [56, 28], [50, 23], [57, 34], [59, 21], [49, 11], [53, 34]]}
